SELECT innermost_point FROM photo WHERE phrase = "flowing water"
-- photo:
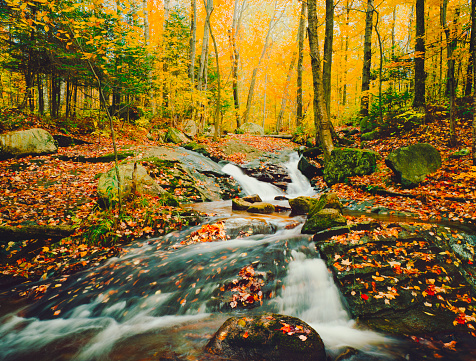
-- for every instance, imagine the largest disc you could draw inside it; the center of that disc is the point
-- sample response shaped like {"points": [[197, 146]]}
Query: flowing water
{"points": [[162, 298]]}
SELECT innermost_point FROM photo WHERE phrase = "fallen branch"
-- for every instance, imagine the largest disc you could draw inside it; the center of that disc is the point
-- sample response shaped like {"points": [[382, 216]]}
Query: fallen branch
{"points": [[20, 233]]}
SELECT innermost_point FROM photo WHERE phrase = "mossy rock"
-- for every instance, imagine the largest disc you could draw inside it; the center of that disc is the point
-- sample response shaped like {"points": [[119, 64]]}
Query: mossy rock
{"points": [[239, 204], [26, 142], [197, 147], [325, 218], [254, 198], [412, 164], [267, 337], [301, 205], [327, 200], [348, 162], [261, 207], [374, 134], [176, 136]]}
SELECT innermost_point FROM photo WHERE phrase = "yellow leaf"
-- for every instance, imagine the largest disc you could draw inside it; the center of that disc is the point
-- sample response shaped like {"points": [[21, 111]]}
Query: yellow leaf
{"points": [[47, 28], [45, 249]]}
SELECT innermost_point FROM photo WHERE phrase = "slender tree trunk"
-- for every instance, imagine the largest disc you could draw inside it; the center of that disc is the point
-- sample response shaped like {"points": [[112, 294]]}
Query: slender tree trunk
{"points": [[473, 31], [327, 66], [420, 75], [469, 73], [264, 97], [41, 99], [251, 90], [346, 53], [450, 85], [193, 42], [235, 57], [202, 74], [301, 35], [323, 129], [284, 100], [364, 102]]}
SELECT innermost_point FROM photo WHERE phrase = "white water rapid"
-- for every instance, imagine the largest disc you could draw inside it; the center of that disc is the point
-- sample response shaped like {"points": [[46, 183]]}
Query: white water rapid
{"points": [[160, 298]]}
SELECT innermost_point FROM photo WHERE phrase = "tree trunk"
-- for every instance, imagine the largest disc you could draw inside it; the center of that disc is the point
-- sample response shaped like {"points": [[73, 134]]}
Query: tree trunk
{"points": [[323, 132], [12, 234], [193, 42], [473, 30], [327, 66], [251, 90], [285, 94], [420, 75], [469, 73], [202, 74], [301, 35], [450, 85], [235, 57], [41, 99], [344, 89], [364, 102]]}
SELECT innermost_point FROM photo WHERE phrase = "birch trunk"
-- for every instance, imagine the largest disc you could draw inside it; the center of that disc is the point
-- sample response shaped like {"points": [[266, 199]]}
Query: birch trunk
{"points": [[193, 42], [327, 66]]}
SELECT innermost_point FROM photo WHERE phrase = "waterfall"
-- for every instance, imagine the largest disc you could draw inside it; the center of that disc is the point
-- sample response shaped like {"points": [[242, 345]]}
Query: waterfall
{"points": [[299, 185]]}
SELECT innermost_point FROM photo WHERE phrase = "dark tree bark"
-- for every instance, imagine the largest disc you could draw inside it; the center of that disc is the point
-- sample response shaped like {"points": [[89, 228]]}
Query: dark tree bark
{"points": [[420, 75], [327, 66], [473, 30], [469, 73], [364, 102], [322, 124], [301, 35]]}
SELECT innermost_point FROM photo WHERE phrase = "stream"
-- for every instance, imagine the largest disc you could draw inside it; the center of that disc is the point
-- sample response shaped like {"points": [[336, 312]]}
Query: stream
{"points": [[160, 298]]}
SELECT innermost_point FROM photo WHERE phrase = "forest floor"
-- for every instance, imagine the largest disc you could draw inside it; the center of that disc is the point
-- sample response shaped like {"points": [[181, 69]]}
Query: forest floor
{"points": [[45, 190]]}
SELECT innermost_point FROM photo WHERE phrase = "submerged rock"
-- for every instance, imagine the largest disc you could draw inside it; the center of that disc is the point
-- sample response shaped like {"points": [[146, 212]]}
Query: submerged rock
{"points": [[348, 162], [240, 226], [412, 164], [26, 142], [267, 337]]}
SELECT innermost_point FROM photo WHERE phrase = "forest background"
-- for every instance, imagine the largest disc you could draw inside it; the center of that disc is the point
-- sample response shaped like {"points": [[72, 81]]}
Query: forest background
{"points": [[225, 63]]}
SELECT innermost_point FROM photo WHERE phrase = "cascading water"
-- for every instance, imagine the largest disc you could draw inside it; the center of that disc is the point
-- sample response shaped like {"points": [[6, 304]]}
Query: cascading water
{"points": [[160, 296]]}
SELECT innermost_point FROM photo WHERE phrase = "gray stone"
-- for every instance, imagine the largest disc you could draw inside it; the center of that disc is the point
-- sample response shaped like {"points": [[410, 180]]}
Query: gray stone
{"points": [[265, 337], [412, 164], [34, 141], [131, 181], [237, 226], [190, 128], [176, 136], [252, 128], [348, 162]]}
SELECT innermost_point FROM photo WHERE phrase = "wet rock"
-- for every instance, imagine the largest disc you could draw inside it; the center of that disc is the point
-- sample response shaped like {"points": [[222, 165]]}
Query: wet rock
{"points": [[252, 128], [26, 142], [261, 207], [309, 169], [240, 226], [176, 136], [412, 164], [325, 218], [252, 198], [301, 205], [267, 337], [348, 162], [268, 172], [239, 204]]}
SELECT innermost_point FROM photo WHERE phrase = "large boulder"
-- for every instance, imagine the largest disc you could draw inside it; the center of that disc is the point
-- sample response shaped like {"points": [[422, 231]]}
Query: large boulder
{"points": [[325, 218], [301, 205], [348, 162], [26, 142], [308, 169], [235, 227], [134, 178], [412, 164], [267, 337], [327, 200], [252, 128], [176, 136], [190, 128]]}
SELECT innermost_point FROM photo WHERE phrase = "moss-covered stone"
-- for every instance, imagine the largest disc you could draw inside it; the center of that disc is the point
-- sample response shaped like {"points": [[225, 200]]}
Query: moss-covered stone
{"points": [[349, 162], [326, 200], [325, 218], [239, 204], [252, 198], [261, 207], [412, 164], [301, 205], [374, 134], [267, 337]]}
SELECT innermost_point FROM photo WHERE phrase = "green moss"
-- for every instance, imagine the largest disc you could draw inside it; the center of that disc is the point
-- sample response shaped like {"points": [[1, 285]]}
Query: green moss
{"points": [[349, 162]]}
